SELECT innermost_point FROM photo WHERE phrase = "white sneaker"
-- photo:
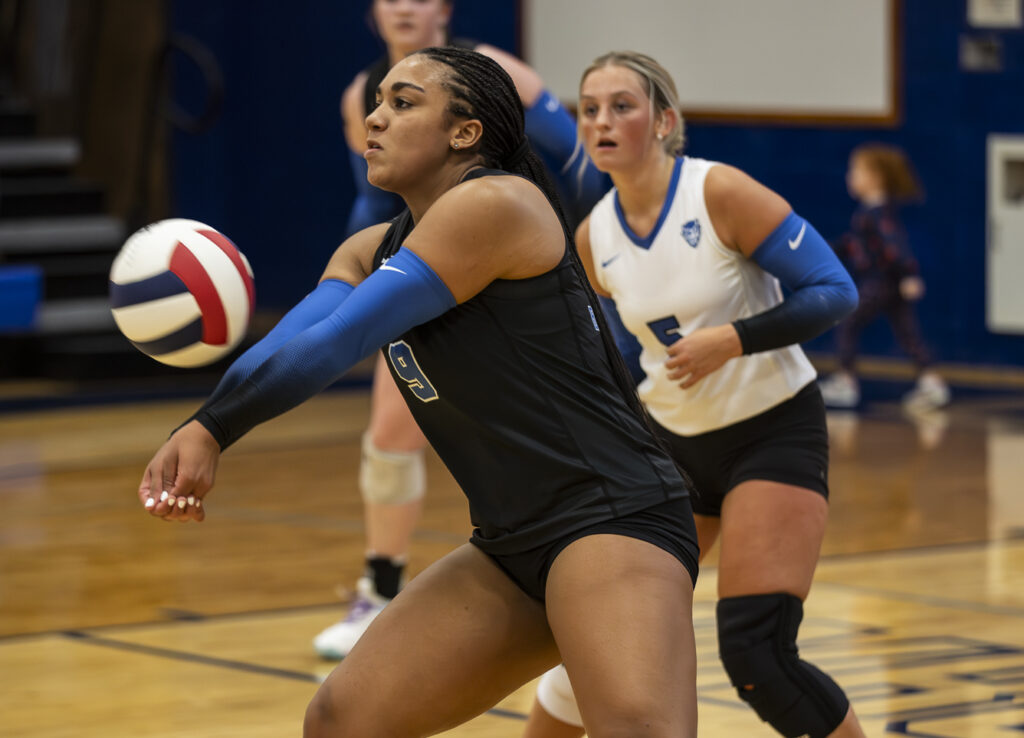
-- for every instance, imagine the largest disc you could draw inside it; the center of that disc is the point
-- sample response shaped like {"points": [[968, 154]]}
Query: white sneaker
{"points": [[840, 390], [930, 392], [336, 641]]}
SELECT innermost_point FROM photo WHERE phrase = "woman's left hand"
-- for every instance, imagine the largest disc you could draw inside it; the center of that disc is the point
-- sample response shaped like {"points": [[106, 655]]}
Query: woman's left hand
{"points": [[697, 354], [180, 474]]}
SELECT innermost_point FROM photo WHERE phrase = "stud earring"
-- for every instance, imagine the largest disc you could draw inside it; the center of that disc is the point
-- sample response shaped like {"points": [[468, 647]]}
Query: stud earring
{"points": [[455, 145]]}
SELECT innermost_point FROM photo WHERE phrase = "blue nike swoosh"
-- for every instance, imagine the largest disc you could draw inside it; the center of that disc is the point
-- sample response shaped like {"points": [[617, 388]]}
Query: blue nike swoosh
{"points": [[609, 261]]}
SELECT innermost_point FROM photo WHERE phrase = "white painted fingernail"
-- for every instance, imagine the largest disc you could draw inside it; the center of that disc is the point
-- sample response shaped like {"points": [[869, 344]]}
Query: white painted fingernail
{"points": [[170, 500], [150, 502], [182, 502], [163, 495], [199, 503], [191, 499]]}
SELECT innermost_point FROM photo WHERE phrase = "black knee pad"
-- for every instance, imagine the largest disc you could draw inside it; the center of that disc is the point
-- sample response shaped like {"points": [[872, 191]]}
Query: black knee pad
{"points": [[757, 644]]}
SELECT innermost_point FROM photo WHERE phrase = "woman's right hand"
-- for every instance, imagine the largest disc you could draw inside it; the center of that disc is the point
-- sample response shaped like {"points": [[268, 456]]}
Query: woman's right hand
{"points": [[180, 474]]}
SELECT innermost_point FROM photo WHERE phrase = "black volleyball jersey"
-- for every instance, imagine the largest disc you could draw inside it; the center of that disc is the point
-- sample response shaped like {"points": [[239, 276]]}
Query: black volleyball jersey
{"points": [[515, 391]]}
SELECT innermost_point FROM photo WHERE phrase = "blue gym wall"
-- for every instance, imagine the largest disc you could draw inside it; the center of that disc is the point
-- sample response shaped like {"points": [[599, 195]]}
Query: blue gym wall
{"points": [[272, 173]]}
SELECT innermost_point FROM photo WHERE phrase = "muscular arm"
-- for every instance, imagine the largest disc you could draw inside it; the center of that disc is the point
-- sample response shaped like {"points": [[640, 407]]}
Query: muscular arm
{"points": [[447, 258], [522, 234], [348, 267], [752, 219], [759, 223]]}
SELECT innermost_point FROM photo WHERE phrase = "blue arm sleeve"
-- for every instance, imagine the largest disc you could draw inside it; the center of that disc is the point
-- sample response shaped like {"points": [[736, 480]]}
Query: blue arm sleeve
{"points": [[626, 342], [371, 205], [397, 297], [821, 292], [552, 133], [317, 305]]}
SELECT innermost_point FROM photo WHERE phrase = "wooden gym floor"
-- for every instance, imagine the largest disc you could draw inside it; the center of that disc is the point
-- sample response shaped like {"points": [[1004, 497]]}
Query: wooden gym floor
{"points": [[115, 624]]}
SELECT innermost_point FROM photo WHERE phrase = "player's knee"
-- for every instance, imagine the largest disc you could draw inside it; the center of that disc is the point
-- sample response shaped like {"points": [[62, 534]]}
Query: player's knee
{"points": [[391, 477], [757, 644], [323, 717], [631, 710], [337, 713], [554, 693]]}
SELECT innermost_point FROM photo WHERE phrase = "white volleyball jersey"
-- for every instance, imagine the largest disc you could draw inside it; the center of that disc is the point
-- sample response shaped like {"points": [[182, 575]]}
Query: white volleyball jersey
{"points": [[679, 278]]}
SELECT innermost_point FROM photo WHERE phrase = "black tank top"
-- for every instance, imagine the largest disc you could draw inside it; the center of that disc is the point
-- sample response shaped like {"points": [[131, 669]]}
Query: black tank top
{"points": [[515, 391], [376, 72]]}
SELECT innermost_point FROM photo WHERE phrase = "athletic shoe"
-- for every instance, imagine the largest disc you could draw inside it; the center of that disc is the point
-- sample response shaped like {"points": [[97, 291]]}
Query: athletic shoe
{"points": [[840, 390], [930, 392], [336, 641]]}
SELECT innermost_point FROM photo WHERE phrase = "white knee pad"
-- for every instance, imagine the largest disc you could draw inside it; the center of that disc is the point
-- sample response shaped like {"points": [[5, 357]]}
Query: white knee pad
{"points": [[391, 477], [554, 693]]}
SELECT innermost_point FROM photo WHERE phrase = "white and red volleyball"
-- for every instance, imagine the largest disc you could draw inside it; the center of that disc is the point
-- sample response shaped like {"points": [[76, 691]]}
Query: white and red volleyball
{"points": [[181, 292]]}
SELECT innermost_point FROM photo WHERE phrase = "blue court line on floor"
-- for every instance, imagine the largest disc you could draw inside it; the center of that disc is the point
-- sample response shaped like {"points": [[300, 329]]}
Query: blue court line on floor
{"points": [[243, 666], [173, 616], [167, 653], [338, 604]]}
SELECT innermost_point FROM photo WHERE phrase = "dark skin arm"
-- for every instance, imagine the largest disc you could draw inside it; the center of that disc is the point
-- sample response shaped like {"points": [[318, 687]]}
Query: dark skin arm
{"points": [[520, 237]]}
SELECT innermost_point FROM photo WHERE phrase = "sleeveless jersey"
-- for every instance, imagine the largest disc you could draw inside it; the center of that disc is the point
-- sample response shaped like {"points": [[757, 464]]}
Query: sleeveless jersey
{"points": [[514, 390], [679, 278]]}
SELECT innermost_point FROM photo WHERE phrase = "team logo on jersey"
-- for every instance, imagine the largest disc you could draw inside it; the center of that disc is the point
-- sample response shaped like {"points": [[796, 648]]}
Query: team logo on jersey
{"points": [[691, 232]]}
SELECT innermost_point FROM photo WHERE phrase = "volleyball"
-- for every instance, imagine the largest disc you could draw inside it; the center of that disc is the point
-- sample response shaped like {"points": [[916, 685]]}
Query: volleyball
{"points": [[181, 292]]}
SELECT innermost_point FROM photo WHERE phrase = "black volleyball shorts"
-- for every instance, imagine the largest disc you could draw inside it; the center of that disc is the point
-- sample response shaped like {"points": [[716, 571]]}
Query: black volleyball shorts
{"points": [[787, 443], [667, 525]]}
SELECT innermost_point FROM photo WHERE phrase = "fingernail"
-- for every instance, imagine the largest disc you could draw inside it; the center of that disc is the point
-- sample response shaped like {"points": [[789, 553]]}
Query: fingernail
{"points": [[150, 502], [199, 503], [191, 499], [163, 495], [170, 501], [182, 502]]}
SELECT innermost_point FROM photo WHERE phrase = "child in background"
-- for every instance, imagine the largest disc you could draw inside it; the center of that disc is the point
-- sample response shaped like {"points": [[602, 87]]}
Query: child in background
{"points": [[876, 253]]}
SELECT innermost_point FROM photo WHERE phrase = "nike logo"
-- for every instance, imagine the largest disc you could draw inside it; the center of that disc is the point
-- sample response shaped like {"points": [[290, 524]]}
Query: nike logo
{"points": [[606, 262], [392, 269], [794, 243]]}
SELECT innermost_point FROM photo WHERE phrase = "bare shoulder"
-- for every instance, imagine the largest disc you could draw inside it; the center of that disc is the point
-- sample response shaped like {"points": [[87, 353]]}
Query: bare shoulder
{"points": [[352, 261], [505, 203], [743, 211], [494, 227], [528, 83]]}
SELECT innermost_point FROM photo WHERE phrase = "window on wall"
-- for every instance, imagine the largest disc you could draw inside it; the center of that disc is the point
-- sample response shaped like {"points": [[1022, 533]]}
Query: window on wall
{"points": [[787, 60]]}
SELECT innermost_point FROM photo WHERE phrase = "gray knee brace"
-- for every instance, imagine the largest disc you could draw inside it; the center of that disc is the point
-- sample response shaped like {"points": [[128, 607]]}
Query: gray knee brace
{"points": [[757, 643], [391, 477]]}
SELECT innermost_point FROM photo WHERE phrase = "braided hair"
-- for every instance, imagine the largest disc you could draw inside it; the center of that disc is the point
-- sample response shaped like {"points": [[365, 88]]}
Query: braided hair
{"points": [[481, 89]]}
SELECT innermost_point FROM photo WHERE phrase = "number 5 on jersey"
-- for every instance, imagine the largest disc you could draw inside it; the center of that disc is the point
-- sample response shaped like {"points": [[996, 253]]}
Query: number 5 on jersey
{"points": [[666, 330], [406, 367]]}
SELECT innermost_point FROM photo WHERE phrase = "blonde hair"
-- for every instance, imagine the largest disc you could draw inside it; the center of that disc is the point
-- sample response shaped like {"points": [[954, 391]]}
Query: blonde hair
{"points": [[660, 89], [893, 166]]}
